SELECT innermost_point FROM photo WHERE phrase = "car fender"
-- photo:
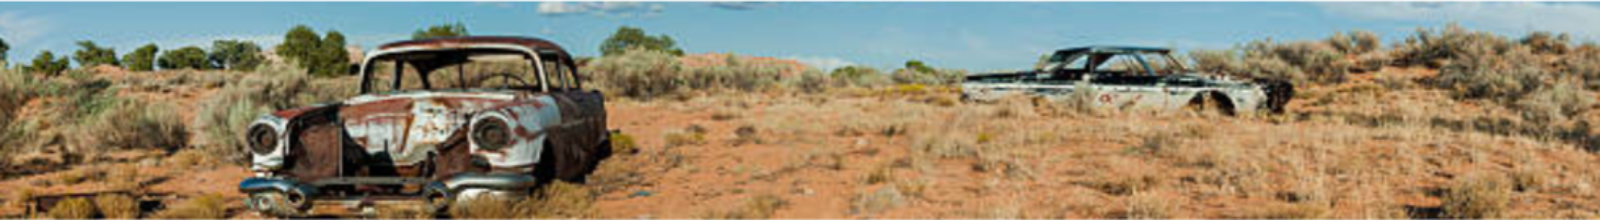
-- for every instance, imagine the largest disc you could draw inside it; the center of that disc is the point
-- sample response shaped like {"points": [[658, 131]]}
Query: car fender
{"points": [[529, 120]]}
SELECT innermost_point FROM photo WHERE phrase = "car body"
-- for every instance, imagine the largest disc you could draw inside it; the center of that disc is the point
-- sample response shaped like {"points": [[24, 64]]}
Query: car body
{"points": [[437, 121], [1131, 78]]}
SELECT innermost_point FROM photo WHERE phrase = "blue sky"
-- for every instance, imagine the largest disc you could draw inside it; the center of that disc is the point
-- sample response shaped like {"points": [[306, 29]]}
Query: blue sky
{"points": [[975, 36]]}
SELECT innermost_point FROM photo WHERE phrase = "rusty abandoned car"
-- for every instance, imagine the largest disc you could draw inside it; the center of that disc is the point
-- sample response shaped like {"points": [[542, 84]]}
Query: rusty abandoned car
{"points": [[1132, 78], [437, 121]]}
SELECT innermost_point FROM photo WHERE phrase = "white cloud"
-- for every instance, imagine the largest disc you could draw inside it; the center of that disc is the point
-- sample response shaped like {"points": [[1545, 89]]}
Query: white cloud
{"points": [[501, 3], [822, 63], [618, 9], [1497, 16], [17, 28], [740, 5]]}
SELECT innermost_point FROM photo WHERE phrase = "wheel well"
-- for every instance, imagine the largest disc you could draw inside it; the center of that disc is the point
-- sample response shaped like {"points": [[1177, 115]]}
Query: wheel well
{"points": [[1221, 99]]}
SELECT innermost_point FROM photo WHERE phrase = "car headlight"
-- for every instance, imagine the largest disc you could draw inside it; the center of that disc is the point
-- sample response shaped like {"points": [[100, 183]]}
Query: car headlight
{"points": [[491, 134], [262, 139]]}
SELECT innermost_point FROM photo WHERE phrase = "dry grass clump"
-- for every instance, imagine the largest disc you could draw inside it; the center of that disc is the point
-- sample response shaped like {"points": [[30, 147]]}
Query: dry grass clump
{"points": [[1287, 211], [1477, 195], [208, 206], [485, 207], [623, 143], [73, 208], [1147, 206], [877, 201], [756, 207], [561, 200], [117, 206], [694, 135], [405, 212]]}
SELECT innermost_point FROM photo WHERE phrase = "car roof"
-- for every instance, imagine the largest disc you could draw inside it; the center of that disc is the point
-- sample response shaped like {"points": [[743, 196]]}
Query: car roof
{"points": [[1114, 49], [531, 43]]}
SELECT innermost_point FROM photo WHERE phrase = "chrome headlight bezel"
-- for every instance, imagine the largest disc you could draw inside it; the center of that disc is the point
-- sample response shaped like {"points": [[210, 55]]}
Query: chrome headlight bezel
{"points": [[490, 133]]}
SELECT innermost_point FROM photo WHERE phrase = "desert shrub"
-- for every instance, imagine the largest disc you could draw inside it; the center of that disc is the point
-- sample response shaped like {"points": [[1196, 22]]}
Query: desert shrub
{"points": [[130, 124], [1555, 103], [877, 201], [1432, 49], [141, 59], [756, 207], [208, 206], [858, 76], [917, 72], [1318, 61], [1482, 71], [1477, 195], [646, 74], [1584, 63], [116, 206], [1543, 42], [639, 73], [73, 208], [1147, 206], [684, 138], [16, 89], [1354, 42], [223, 115]]}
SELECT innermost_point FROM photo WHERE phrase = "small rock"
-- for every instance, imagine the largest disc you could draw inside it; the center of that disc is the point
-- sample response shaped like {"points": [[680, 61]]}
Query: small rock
{"points": [[640, 193]]}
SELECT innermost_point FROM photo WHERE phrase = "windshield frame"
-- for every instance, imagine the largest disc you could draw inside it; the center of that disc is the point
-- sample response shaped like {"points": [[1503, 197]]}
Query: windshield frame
{"points": [[539, 75]]}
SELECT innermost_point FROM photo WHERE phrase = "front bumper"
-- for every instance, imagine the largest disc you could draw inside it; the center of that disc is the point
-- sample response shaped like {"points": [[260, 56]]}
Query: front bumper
{"points": [[288, 197]]}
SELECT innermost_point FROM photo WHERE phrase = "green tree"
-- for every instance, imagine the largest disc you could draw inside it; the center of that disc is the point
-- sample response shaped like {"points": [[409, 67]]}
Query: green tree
{"points": [[332, 59], [919, 66], [235, 55], [299, 44], [142, 59], [322, 56], [443, 30], [3, 49], [47, 63], [632, 37], [190, 57], [90, 55]]}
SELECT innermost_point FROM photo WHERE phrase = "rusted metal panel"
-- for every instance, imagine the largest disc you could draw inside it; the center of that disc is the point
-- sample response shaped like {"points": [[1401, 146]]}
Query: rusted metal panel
{"points": [[528, 42]]}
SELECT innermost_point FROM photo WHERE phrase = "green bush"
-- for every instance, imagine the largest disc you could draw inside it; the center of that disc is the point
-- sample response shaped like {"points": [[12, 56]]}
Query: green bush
{"points": [[630, 38], [859, 76], [190, 57], [47, 63], [443, 30], [142, 59], [90, 55], [4, 48], [235, 55], [917, 72]]}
